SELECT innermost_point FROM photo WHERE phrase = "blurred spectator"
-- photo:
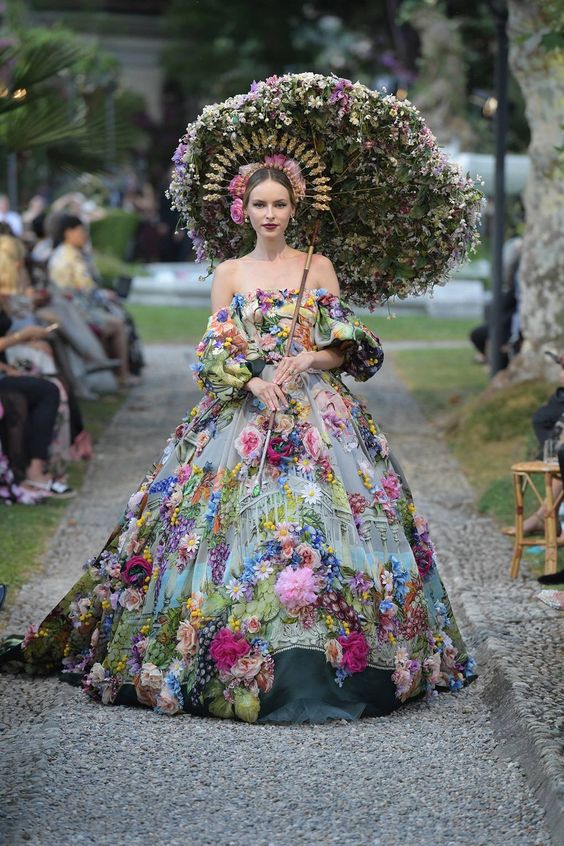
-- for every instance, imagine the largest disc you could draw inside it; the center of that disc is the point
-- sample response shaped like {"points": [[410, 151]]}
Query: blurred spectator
{"points": [[511, 330], [71, 273], [12, 218]]}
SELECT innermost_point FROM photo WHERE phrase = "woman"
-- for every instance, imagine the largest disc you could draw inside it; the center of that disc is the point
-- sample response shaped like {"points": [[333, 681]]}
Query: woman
{"points": [[69, 271], [33, 435], [313, 597]]}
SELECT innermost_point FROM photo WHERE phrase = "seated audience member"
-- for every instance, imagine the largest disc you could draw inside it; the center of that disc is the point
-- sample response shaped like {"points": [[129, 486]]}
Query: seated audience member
{"points": [[548, 422], [70, 272]]}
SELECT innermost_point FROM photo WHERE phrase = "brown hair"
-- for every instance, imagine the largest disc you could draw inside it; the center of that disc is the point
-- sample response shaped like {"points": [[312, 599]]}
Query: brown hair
{"points": [[262, 175]]}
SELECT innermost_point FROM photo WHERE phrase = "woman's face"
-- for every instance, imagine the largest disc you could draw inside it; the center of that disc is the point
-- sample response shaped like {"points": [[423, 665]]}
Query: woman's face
{"points": [[269, 209], [77, 236]]}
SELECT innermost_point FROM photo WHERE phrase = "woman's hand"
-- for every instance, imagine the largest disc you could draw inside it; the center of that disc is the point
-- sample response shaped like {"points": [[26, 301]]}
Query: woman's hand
{"points": [[267, 392], [290, 365]]}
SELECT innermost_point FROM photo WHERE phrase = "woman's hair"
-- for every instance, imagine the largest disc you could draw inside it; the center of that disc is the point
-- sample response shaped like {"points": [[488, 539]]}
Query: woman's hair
{"points": [[12, 255], [262, 175], [66, 221]]}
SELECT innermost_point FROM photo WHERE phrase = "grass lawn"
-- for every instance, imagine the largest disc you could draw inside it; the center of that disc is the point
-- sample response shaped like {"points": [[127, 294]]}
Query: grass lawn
{"points": [[167, 324], [488, 431], [26, 530]]}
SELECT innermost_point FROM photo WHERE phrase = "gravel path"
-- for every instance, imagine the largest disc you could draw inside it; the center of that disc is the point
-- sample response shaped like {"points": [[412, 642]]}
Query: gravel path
{"points": [[76, 772]]}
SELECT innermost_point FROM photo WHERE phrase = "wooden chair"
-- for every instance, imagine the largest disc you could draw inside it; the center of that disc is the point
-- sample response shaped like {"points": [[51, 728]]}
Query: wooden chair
{"points": [[523, 477]]}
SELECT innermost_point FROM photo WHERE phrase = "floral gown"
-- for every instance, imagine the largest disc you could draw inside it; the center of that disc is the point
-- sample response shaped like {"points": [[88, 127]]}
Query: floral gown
{"points": [[313, 596]]}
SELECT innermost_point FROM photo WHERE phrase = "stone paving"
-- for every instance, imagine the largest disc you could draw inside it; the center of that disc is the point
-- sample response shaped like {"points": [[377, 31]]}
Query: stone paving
{"points": [[77, 772]]}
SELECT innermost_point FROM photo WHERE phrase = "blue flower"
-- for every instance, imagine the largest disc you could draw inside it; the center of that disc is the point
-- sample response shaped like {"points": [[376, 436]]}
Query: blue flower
{"points": [[385, 605], [222, 315], [470, 668]]}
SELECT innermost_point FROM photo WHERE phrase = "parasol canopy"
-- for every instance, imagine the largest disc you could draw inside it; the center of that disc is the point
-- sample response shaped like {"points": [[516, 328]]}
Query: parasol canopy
{"points": [[395, 215]]}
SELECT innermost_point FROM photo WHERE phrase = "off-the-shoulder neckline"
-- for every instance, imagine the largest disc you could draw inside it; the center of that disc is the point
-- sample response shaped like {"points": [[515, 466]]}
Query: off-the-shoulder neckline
{"points": [[275, 291]]}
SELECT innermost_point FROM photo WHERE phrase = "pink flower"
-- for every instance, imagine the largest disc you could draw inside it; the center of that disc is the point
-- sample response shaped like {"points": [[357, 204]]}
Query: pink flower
{"points": [[391, 485], [135, 570], [237, 186], [310, 556], [334, 652], [296, 588], [237, 211], [184, 473], [227, 647], [432, 668], [131, 599], [355, 652], [186, 639], [312, 442], [267, 342], [252, 625], [31, 634], [247, 667], [249, 442]]}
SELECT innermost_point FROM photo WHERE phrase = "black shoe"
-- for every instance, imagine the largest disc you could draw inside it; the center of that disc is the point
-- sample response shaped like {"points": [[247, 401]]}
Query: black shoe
{"points": [[3, 590], [552, 578]]}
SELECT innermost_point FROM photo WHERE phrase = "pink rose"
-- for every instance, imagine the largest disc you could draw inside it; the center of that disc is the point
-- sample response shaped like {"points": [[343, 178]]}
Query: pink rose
{"points": [[135, 570], [310, 556], [296, 588], [312, 442], [265, 676], [166, 702], [253, 624], [355, 652], [432, 668], [334, 652], [448, 658], [249, 442], [247, 667], [237, 211], [184, 473], [148, 683], [186, 639], [227, 647], [131, 599]]}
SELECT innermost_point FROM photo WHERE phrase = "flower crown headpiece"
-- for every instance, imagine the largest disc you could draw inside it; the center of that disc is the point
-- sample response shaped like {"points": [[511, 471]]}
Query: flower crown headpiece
{"points": [[302, 158]]}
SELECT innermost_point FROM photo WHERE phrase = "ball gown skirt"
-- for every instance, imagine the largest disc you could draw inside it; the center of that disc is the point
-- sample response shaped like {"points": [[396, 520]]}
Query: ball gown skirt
{"points": [[312, 596]]}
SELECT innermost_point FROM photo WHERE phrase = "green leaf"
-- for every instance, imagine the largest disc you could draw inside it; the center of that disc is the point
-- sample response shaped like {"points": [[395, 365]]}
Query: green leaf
{"points": [[220, 707], [247, 706], [213, 690], [215, 603]]}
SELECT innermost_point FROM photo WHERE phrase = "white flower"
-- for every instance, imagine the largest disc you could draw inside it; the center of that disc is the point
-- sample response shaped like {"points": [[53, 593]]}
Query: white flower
{"points": [[311, 492], [263, 569], [234, 588]]}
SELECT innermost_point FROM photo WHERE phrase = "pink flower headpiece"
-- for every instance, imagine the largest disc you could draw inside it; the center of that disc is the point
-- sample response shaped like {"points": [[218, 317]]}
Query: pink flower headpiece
{"points": [[238, 184]]}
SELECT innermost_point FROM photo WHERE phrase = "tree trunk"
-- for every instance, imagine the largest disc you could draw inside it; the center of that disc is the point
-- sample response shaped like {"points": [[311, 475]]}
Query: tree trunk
{"points": [[540, 73]]}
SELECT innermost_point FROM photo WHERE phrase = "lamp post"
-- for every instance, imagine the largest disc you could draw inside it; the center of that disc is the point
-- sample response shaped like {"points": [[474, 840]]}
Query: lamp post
{"points": [[499, 10]]}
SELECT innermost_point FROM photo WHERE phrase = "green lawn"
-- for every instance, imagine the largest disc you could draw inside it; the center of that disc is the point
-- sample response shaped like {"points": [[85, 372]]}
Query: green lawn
{"points": [[177, 325], [488, 431], [26, 530]]}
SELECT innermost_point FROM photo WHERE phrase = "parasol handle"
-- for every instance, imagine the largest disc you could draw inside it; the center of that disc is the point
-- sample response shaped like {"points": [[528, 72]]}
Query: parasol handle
{"points": [[258, 483]]}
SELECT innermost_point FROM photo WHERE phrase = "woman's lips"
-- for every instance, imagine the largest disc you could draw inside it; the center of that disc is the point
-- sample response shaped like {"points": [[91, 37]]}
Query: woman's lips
{"points": [[270, 225]]}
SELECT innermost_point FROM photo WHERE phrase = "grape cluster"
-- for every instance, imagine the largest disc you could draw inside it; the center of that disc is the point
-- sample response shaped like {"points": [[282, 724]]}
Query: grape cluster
{"points": [[205, 666], [413, 624], [334, 603]]}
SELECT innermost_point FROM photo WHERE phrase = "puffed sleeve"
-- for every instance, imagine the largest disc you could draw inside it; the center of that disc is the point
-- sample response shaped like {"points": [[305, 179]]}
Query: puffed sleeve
{"points": [[227, 357], [336, 324]]}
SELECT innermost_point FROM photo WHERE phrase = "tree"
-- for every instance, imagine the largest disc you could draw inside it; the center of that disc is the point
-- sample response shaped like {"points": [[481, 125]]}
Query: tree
{"points": [[54, 92], [536, 56]]}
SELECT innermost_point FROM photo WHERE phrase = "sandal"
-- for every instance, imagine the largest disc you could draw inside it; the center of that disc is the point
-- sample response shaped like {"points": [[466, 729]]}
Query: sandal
{"points": [[60, 489]]}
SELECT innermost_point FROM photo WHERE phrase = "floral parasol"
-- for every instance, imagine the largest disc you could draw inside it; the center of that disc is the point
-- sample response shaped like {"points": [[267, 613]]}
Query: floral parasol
{"points": [[395, 214]]}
